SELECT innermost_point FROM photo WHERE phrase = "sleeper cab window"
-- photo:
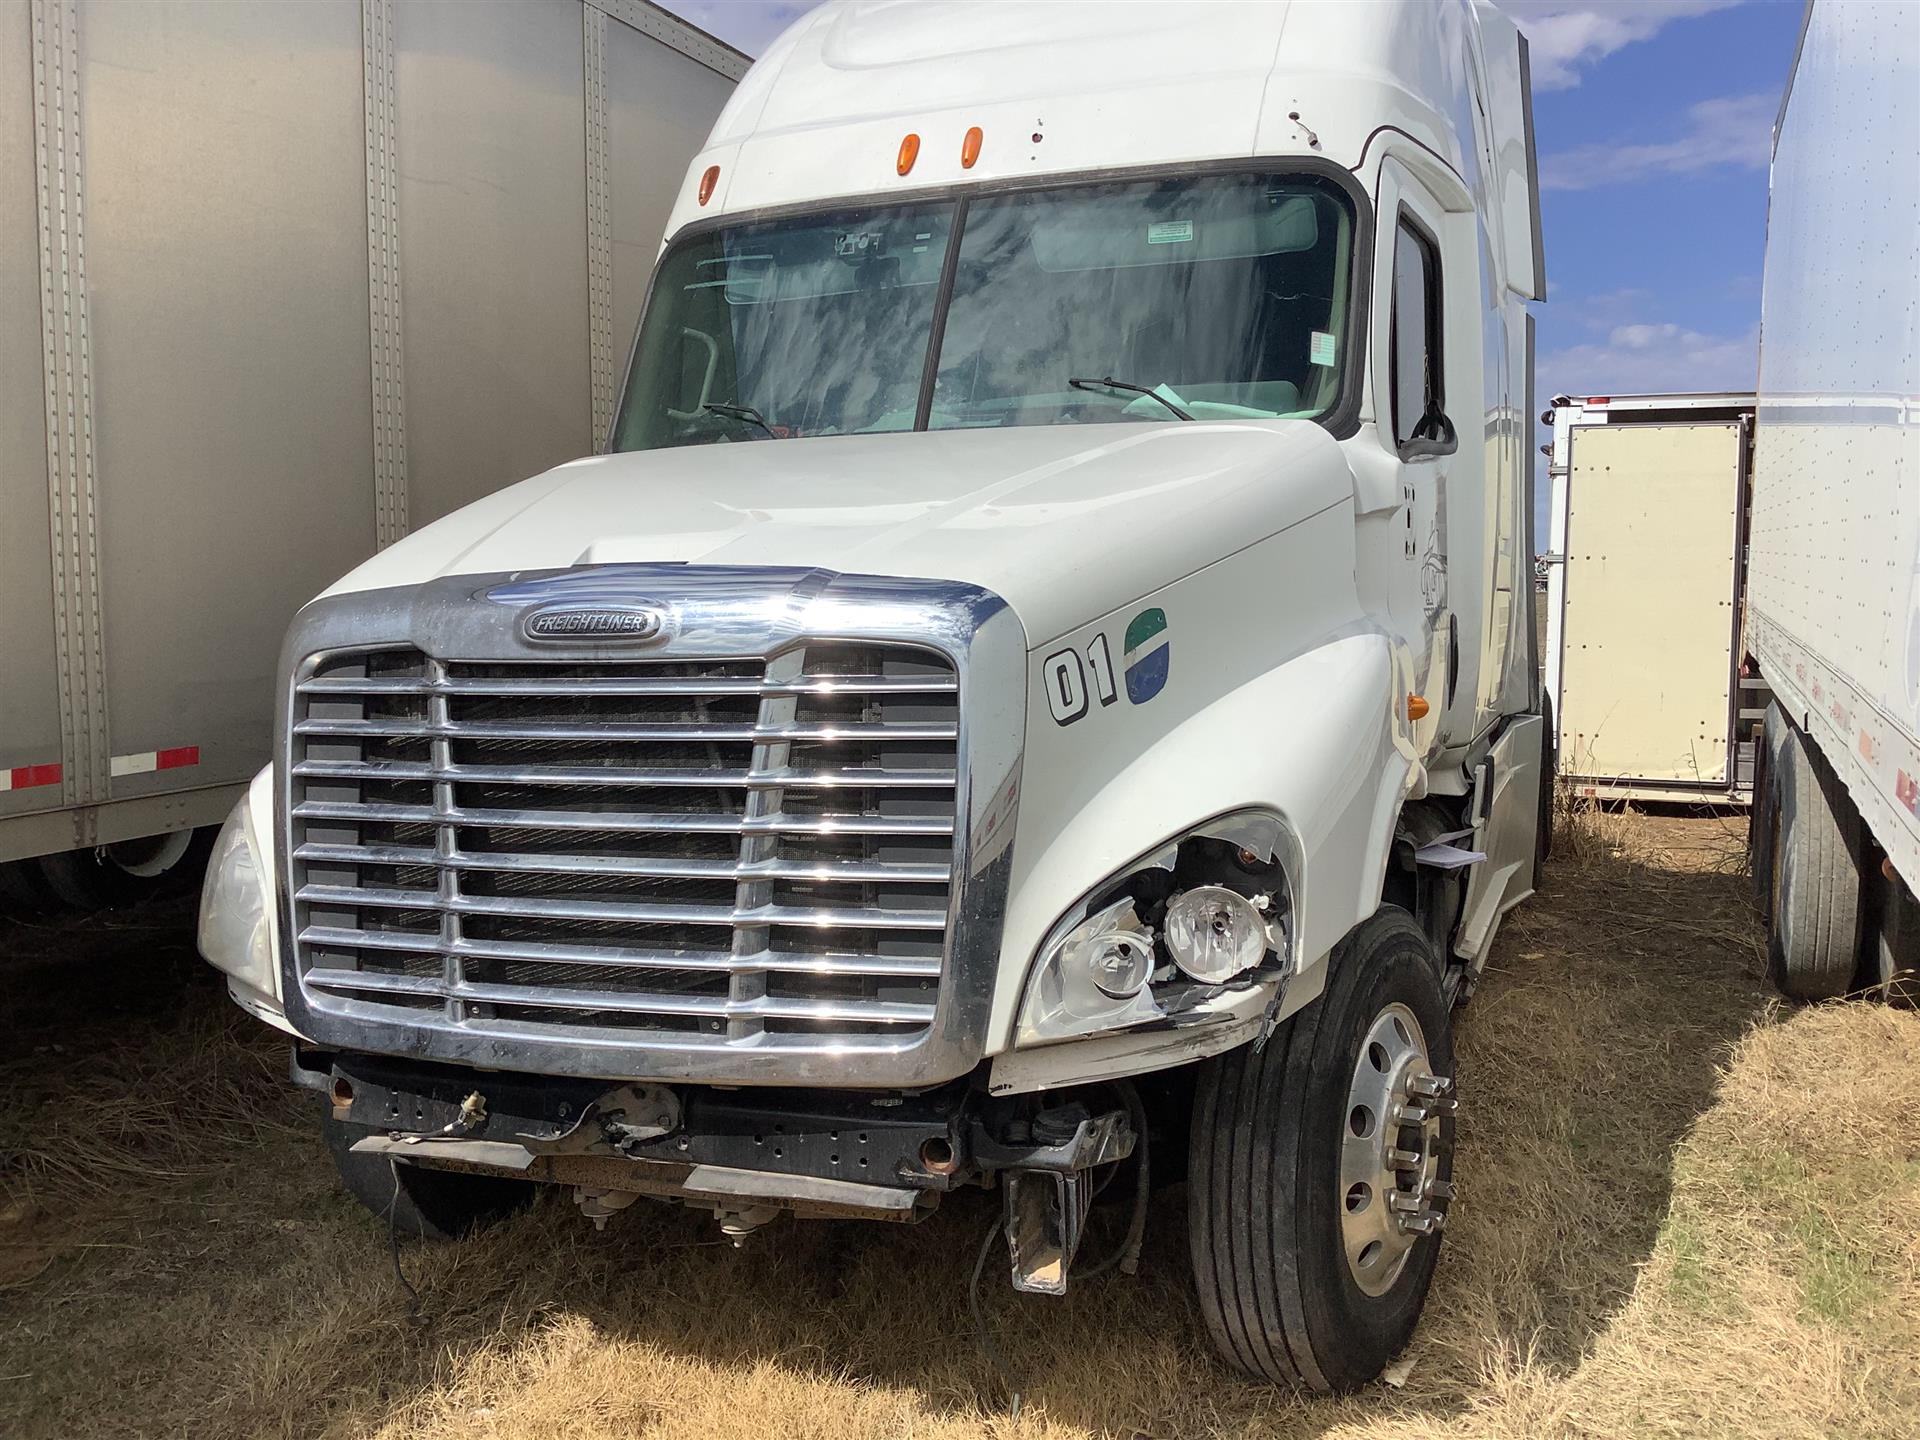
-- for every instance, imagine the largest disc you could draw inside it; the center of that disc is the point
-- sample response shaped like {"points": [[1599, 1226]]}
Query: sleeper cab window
{"points": [[1417, 397]]}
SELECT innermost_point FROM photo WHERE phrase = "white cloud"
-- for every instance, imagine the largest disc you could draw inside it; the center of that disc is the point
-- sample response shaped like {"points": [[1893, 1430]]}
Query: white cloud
{"points": [[1734, 130], [1650, 357], [749, 25], [1565, 37], [1636, 358]]}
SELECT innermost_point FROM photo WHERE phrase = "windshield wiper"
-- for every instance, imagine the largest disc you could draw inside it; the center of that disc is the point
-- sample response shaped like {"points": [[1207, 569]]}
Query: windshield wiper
{"points": [[740, 412], [1107, 382]]}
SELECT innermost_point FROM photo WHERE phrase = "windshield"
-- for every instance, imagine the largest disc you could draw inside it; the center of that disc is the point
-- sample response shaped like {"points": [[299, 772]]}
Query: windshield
{"points": [[1222, 295]]}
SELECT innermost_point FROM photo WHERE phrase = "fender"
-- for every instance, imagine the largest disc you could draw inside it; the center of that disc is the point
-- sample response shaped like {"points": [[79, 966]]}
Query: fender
{"points": [[1318, 739]]}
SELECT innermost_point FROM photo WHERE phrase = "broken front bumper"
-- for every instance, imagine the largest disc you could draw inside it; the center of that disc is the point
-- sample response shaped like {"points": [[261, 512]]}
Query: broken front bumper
{"points": [[747, 1155]]}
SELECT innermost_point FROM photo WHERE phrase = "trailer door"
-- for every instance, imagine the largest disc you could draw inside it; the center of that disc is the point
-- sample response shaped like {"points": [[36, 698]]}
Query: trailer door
{"points": [[1647, 662]]}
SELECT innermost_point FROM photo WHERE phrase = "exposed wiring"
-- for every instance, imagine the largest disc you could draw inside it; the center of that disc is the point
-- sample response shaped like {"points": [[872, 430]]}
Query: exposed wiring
{"points": [[1127, 1257], [981, 1333], [393, 1247]]}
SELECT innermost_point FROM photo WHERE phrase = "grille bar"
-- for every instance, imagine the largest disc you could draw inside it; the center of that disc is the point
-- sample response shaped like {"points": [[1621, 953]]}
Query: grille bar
{"points": [[602, 734], [613, 775], [621, 1002], [658, 867], [692, 822], [640, 685], [752, 852], [639, 914], [796, 962]]}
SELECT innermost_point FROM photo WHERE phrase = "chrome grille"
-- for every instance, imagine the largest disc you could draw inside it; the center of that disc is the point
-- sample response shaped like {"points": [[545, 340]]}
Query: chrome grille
{"points": [[750, 853]]}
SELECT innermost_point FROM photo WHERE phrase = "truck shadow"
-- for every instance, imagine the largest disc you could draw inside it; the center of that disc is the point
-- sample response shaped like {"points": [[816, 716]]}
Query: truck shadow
{"points": [[1587, 1054]]}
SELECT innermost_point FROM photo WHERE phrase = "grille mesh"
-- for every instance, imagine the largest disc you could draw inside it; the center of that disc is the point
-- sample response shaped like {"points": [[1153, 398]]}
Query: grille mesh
{"points": [[735, 852]]}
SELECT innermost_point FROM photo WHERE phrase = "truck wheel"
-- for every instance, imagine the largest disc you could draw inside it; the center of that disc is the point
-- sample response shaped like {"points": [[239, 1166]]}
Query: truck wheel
{"points": [[1320, 1169], [432, 1204], [119, 874], [1814, 857]]}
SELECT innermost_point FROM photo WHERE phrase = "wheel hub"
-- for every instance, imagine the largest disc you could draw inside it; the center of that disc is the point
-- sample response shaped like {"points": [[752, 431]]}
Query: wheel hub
{"points": [[1392, 1153]]}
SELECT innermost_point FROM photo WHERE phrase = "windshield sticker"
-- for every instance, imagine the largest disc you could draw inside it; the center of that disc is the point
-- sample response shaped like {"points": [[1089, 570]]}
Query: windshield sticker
{"points": [[1149, 648], [1170, 232], [1320, 348]]}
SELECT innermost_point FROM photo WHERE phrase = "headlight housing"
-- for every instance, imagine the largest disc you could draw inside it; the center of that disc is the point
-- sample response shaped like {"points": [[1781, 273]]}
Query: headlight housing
{"points": [[1093, 975], [1210, 910], [234, 922], [1215, 933]]}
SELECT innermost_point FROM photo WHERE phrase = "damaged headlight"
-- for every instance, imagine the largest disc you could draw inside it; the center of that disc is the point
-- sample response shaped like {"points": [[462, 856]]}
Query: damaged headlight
{"points": [[234, 933], [1199, 914], [1215, 933]]}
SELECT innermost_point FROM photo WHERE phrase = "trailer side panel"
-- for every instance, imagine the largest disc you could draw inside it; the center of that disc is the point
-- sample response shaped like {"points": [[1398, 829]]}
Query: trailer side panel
{"points": [[1834, 589]]}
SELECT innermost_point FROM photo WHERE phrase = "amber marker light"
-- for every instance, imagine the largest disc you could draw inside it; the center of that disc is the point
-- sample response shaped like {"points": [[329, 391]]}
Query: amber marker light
{"points": [[970, 148], [707, 182], [1416, 707], [909, 152]]}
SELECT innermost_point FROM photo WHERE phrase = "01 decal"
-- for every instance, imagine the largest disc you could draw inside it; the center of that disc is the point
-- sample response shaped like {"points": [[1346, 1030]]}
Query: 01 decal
{"points": [[1149, 651], [1073, 684]]}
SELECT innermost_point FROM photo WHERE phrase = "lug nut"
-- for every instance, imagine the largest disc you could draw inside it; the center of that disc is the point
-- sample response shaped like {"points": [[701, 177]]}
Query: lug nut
{"points": [[1403, 1159], [1429, 1087], [1409, 1114], [1440, 1190]]}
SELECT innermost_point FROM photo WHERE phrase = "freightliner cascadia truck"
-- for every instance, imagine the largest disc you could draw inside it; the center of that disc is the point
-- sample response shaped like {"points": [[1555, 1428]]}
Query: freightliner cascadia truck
{"points": [[1039, 693], [1833, 587]]}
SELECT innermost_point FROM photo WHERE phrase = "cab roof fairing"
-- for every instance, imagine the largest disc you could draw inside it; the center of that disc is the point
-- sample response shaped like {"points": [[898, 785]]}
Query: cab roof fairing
{"points": [[822, 113]]}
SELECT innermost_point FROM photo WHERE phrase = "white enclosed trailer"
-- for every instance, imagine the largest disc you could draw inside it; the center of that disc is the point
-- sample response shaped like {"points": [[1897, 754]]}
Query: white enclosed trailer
{"points": [[1645, 568], [1833, 605], [1045, 666], [278, 284]]}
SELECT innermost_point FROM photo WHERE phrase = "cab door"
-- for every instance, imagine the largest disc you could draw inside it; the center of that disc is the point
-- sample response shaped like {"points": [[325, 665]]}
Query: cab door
{"points": [[1421, 376]]}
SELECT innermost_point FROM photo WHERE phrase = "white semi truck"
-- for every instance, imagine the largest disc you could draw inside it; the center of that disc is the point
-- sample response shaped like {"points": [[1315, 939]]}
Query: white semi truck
{"points": [[1833, 591], [1043, 678], [239, 349]]}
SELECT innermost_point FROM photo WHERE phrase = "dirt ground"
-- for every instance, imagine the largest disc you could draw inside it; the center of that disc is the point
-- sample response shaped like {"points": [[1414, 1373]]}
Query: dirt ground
{"points": [[1684, 1211]]}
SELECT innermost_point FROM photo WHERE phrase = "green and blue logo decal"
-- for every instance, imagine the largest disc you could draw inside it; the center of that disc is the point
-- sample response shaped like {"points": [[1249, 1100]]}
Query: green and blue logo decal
{"points": [[1149, 649]]}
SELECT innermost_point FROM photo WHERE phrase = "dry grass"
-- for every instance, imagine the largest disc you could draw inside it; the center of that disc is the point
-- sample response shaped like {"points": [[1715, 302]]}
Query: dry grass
{"points": [[1685, 1212]]}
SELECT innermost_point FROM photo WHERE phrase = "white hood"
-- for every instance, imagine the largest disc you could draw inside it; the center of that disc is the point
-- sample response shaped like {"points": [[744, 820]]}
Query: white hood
{"points": [[1064, 522]]}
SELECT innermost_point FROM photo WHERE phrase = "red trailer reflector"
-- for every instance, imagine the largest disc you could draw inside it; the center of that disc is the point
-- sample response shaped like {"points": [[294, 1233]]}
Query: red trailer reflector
{"points": [[176, 758], [27, 777]]}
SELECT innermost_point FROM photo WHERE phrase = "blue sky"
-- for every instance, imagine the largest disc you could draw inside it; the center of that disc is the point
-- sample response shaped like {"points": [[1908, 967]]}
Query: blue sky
{"points": [[1653, 120]]}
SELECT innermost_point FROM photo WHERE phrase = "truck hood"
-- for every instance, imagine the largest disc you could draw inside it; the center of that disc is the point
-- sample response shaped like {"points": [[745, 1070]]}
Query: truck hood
{"points": [[1065, 523]]}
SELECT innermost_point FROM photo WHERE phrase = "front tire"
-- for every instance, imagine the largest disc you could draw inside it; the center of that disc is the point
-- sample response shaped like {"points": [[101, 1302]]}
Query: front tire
{"points": [[1281, 1153]]}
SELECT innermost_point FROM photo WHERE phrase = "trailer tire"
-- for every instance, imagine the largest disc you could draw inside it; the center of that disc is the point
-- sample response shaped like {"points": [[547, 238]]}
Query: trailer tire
{"points": [[1765, 810], [22, 891], [1270, 1213], [430, 1204], [105, 877], [1816, 849]]}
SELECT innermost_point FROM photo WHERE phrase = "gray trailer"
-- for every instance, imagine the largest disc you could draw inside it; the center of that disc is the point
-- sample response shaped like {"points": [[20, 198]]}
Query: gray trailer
{"points": [[278, 282]]}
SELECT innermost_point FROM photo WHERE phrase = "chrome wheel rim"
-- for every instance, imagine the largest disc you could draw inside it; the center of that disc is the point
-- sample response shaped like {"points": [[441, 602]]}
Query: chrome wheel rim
{"points": [[1391, 1153]]}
